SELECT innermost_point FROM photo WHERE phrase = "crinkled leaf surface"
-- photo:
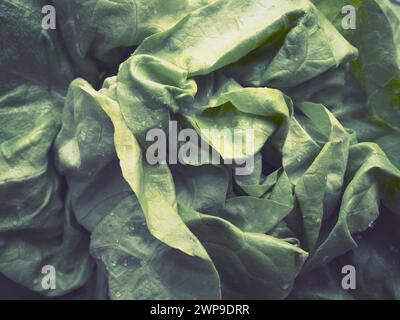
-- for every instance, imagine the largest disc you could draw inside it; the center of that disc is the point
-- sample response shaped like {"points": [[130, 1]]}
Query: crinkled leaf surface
{"points": [[76, 189]]}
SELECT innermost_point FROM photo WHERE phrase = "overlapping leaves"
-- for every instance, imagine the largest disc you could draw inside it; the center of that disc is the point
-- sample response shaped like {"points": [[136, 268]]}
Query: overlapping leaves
{"points": [[325, 160]]}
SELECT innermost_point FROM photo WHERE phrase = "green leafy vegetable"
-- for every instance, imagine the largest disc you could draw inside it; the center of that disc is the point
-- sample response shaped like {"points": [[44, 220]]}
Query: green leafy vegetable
{"points": [[314, 109]]}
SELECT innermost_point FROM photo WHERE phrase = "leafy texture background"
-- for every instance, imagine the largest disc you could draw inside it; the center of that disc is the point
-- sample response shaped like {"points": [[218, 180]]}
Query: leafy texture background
{"points": [[77, 192]]}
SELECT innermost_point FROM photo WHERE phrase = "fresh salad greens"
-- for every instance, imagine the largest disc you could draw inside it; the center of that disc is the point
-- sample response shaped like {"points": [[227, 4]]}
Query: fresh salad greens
{"points": [[77, 192]]}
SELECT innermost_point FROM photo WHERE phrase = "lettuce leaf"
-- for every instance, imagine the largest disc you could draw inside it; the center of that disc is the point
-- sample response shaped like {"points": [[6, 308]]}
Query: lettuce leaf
{"points": [[76, 189]]}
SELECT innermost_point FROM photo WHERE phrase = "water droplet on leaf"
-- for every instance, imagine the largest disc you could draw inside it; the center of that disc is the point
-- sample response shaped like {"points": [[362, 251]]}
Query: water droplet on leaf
{"points": [[371, 225]]}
